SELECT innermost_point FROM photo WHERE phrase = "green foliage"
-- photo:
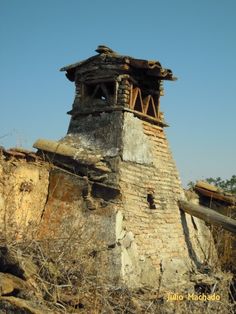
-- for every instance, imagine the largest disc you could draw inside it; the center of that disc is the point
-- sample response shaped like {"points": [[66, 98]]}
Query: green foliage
{"points": [[191, 184], [228, 185]]}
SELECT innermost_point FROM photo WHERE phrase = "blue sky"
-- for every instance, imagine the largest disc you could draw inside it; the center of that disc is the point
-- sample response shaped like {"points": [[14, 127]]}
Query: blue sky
{"points": [[196, 39]]}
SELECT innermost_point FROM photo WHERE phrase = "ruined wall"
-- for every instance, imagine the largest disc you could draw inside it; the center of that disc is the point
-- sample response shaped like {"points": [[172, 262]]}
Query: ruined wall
{"points": [[135, 231], [87, 236], [63, 211], [23, 195], [77, 217]]}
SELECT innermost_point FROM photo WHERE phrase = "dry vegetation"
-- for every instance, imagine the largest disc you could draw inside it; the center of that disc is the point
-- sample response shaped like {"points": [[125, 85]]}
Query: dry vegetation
{"points": [[57, 282]]}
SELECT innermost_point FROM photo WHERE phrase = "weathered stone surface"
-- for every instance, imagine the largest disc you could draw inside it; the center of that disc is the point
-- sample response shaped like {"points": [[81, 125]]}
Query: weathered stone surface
{"points": [[136, 145], [119, 226], [127, 240], [64, 205], [16, 305], [130, 268], [9, 283], [23, 193], [16, 264], [100, 133], [149, 275]]}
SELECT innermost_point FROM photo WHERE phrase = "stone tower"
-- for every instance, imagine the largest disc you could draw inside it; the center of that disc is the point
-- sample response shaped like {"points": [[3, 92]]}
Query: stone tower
{"points": [[116, 116]]}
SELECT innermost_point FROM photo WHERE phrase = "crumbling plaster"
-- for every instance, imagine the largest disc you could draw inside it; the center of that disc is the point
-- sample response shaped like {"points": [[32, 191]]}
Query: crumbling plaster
{"points": [[99, 133], [23, 195]]}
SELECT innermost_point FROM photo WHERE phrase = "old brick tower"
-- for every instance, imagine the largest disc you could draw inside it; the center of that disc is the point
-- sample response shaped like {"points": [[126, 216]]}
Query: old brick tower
{"points": [[116, 115], [115, 180], [99, 209]]}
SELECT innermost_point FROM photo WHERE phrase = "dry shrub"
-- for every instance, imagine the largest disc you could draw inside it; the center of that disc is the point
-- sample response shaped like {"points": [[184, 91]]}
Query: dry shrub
{"points": [[68, 283]]}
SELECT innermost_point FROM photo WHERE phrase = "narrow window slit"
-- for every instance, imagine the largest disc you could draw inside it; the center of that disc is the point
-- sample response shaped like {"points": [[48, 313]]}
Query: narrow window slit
{"points": [[151, 201]]}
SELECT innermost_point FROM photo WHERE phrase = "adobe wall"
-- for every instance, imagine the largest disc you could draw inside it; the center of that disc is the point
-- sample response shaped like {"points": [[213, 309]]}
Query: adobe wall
{"points": [[76, 218], [23, 196], [62, 212]]}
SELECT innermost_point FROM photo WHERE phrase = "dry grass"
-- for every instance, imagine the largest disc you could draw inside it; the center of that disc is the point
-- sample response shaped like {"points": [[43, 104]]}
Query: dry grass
{"points": [[67, 284]]}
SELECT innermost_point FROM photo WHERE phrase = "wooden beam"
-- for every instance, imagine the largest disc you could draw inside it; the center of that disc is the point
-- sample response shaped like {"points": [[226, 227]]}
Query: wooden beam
{"points": [[207, 186], [79, 155], [209, 215], [146, 117], [216, 195]]}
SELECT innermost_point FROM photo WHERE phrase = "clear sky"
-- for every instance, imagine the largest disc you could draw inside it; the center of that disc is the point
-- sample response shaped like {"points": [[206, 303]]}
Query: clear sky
{"points": [[196, 39]]}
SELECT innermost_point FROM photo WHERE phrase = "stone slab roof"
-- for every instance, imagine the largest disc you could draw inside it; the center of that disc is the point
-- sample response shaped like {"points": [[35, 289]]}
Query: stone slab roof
{"points": [[108, 57]]}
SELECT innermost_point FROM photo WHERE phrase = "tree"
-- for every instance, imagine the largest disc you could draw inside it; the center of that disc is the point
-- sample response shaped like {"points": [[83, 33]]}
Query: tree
{"points": [[228, 185]]}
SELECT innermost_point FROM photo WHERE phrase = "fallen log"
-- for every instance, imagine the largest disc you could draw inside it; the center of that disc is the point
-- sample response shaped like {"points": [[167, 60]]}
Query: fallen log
{"points": [[209, 215]]}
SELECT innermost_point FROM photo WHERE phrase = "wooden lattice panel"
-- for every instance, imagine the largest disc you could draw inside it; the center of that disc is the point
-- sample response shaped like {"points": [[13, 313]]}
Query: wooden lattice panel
{"points": [[146, 105]]}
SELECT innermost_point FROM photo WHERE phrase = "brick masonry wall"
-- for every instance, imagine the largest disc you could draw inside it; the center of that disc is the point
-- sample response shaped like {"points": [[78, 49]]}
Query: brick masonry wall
{"points": [[166, 241]]}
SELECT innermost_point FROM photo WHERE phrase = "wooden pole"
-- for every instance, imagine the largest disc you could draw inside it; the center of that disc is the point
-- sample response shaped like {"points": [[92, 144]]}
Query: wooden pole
{"points": [[209, 215]]}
